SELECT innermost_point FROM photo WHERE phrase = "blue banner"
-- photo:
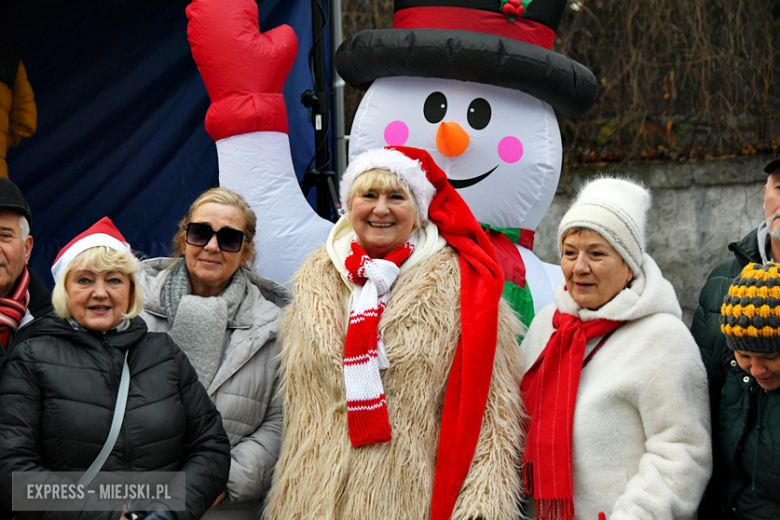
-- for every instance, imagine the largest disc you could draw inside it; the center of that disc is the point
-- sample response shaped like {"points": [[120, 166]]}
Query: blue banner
{"points": [[120, 116]]}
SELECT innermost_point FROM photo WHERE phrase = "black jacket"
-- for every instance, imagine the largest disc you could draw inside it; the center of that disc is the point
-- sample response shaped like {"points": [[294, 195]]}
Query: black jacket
{"points": [[57, 397]]}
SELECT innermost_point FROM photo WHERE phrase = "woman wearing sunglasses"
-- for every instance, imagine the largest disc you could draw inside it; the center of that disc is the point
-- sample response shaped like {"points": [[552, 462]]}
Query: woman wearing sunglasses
{"points": [[225, 318]]}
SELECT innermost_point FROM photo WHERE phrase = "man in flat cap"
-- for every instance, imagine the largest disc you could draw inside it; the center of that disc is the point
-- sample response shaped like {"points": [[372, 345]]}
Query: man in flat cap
{"points": [[23, 295], [760, 245]]}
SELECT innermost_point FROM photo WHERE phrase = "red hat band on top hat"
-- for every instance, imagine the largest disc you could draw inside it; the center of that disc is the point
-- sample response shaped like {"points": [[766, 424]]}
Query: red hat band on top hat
{"points": [[482, 16], [504, 43]]}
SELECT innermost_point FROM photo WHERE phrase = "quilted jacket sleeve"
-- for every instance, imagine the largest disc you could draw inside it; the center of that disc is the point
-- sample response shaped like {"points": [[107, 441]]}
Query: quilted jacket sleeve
{"points": [[254, 457]]}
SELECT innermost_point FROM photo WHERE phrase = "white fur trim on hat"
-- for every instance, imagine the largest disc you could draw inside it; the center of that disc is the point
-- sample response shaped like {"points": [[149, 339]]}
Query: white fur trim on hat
{"points": [[616, 209], [88, 242], [408, 170]]}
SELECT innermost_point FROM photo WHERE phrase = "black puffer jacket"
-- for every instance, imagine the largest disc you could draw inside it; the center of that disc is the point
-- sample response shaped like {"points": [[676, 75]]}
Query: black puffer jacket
{"points": [[57, 397], [745, 419]]}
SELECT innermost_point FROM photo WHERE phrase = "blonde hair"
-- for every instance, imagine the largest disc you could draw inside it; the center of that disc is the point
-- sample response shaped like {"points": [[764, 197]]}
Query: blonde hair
{"points": [[98, 260], [227, 198], [383, 181]]}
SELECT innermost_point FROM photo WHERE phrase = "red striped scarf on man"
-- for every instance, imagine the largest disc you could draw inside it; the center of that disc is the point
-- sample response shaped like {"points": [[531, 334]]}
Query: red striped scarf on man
{"points": [[13, 308], [366, 407]]}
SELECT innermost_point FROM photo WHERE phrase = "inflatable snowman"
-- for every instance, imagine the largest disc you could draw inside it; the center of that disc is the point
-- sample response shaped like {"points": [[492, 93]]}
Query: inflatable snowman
{"points": [[473, 82]]}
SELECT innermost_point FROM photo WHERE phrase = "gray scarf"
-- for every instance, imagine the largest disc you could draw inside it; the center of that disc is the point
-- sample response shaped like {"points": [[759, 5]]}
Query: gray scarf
{"points": [[199, 325]]}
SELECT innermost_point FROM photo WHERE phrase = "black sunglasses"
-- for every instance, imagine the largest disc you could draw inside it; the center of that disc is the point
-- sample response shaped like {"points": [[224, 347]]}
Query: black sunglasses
{"points": [[228, 239]]}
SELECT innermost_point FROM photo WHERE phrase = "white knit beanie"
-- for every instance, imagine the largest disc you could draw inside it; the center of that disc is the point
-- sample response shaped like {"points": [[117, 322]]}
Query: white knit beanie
{"points": [[616, 209], [408, 170]]}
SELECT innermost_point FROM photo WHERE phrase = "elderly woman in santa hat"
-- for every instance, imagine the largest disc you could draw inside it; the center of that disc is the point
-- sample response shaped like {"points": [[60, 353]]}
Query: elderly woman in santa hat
{"points": [[61, 391], [400, 382], [615, 386]]}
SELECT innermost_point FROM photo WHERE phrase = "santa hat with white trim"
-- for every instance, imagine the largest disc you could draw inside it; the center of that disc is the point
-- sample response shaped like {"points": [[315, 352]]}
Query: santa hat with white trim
{"points": [[102, 233], [408, 170]]}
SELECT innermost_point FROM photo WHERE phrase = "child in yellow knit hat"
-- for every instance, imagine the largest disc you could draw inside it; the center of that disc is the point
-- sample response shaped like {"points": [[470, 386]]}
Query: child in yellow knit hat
{"points": [[750, 319], [745, 398]]}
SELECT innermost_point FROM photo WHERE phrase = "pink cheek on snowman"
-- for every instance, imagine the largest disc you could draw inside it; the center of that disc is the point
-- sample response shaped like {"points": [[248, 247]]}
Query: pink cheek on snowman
{"points": [[396, 133], [510, 149]]}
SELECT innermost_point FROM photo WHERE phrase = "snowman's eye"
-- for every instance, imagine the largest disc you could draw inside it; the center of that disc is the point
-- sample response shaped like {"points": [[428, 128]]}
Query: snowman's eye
{"points": [[435, 107], [479, 114]]}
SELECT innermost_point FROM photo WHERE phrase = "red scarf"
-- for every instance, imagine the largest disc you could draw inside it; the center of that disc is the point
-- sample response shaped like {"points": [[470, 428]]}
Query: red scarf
{"points": [[366, 407], [13, 308], [549, 390]]}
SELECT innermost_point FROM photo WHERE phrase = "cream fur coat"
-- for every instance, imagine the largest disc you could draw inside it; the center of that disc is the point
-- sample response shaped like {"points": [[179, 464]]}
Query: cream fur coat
{"points": [[641, 439], [320, 475]]}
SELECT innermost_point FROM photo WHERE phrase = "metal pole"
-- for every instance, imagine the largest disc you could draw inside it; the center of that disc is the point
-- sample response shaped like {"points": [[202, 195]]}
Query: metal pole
{"points": [[339, 139], [320, 108]]}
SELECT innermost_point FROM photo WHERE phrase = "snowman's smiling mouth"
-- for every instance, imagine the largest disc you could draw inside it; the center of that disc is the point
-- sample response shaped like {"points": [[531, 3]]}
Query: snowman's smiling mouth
{"points": [[465, 183]]}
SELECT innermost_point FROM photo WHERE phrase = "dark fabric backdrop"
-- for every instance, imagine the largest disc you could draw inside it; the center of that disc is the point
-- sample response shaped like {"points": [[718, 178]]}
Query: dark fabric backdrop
{"points": [[120, 116]]}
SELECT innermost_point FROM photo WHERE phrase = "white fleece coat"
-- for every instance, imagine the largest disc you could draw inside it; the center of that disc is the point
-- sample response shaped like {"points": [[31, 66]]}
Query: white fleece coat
{"points": [[320, 475], [642, 446]]}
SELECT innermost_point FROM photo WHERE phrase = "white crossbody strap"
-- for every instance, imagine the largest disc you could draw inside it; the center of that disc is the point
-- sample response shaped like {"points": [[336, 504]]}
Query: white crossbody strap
{"points": [[116, 425]]}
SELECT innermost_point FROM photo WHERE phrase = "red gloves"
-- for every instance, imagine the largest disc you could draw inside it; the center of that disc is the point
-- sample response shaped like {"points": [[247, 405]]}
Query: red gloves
{"points": [[243, 69]]}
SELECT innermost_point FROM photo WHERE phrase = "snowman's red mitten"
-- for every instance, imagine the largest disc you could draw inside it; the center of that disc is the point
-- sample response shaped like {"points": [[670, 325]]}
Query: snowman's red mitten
{"points": [[244, 70], [602, 516]]}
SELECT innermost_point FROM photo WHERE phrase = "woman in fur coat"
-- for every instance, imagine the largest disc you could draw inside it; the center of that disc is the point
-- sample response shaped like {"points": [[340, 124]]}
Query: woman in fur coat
{"points": [[393, 409], [615, 386]]}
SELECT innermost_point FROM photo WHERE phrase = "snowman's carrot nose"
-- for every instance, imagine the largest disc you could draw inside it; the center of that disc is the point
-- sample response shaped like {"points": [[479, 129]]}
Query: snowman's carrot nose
{"points": [[451, 139]]}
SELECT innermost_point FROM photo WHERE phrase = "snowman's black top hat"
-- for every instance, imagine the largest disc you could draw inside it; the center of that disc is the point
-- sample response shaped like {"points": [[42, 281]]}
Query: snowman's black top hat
{"points": [[497, 42]]}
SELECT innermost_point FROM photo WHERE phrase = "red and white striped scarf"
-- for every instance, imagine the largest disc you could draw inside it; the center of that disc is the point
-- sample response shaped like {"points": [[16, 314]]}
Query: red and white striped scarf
{"points": [[13, 308], [364, 351]]}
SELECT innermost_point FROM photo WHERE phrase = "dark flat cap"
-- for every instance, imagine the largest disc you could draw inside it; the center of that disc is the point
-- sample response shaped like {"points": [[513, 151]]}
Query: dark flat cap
{"points": [[11, 198]]}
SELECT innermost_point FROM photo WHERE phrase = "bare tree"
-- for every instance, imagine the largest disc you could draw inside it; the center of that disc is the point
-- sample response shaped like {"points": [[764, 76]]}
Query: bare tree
{"points": [[680, 80]]}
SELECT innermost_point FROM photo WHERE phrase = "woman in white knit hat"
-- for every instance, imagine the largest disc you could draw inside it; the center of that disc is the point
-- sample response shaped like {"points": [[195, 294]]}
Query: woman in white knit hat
{"points": [[395, 407], [614, 383]]}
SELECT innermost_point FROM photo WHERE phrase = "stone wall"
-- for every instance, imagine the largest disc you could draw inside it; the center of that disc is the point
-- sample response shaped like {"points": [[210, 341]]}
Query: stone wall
{"points": [[698, 209]]}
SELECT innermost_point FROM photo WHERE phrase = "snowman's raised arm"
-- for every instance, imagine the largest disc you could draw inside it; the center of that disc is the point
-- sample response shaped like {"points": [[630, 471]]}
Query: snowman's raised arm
{"points": [[244, 72]]}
